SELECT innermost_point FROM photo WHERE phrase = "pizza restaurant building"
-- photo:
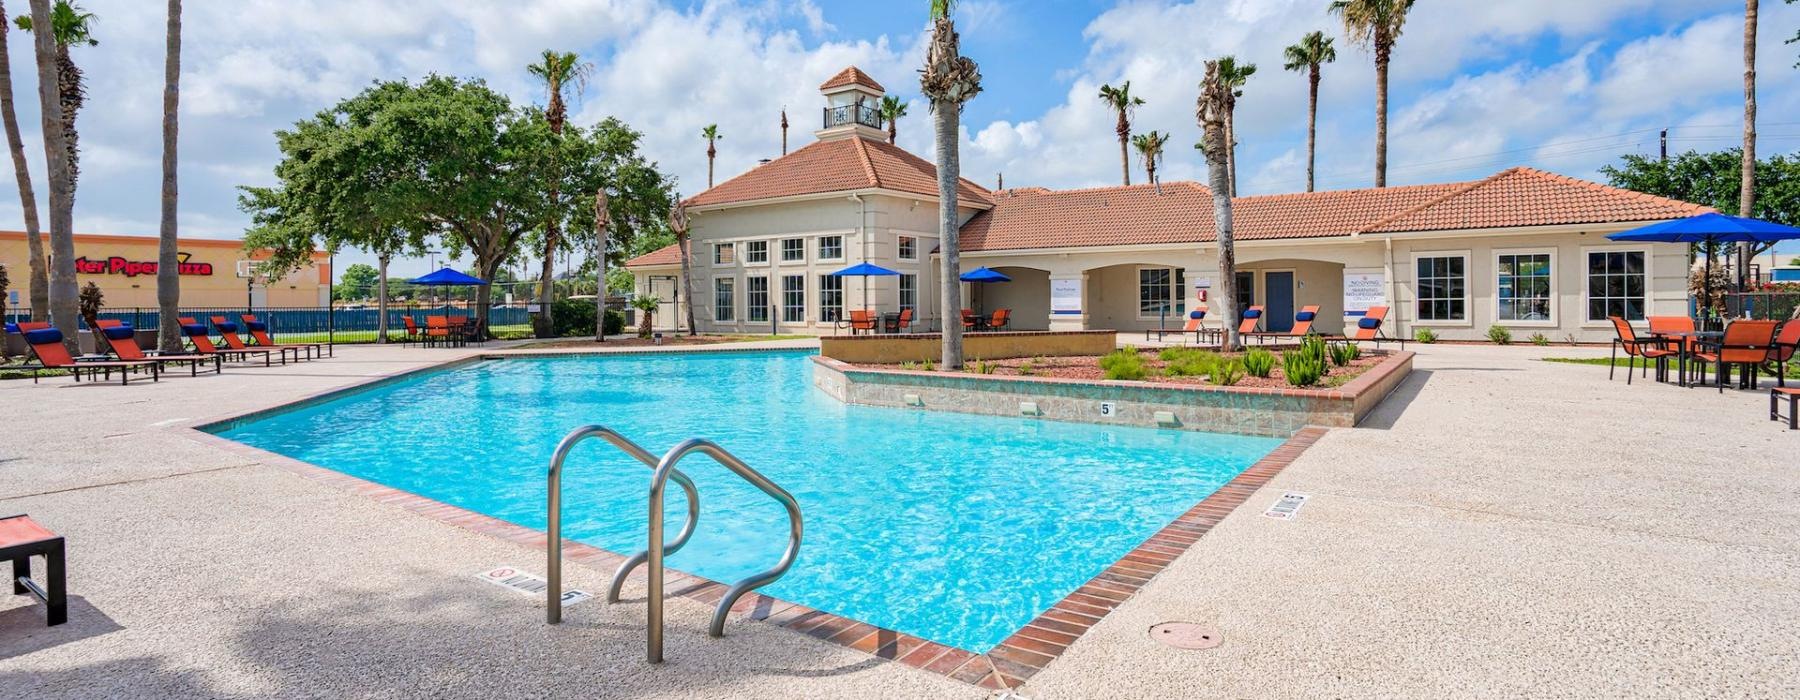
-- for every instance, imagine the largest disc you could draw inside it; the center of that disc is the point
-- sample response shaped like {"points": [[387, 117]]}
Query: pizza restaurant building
{"points": [[214, 273]]}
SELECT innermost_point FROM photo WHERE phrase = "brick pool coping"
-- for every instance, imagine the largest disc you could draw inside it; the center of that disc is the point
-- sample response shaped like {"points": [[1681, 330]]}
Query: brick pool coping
{"points": [[1015, 660]]}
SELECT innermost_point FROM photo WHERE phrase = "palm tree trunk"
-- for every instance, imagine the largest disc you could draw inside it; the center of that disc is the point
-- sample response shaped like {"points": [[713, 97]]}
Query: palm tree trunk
{"points": [[1230, 154], [381, 300], [1382, 51], [945, 118], [64, 314], [1124, 160], [600, 246], [38, 286], [1312, 121], [687, 278], [542, 324], [1747, 188], [168, 263]]}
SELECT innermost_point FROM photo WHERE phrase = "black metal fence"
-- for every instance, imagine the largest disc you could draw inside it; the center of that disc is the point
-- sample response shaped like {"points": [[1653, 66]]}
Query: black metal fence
{"points": [[313, 324], [1770, 305]]}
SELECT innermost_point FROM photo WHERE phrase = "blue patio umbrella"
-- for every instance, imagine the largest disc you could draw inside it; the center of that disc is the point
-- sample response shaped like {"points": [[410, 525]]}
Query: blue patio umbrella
{"points": [[446, 277], [1710, 229], [983, 275], [864, 269]]}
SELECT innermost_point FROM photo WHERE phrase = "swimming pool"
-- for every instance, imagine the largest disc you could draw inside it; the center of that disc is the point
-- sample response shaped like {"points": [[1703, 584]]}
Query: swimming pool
{"points": [[952, 527]]}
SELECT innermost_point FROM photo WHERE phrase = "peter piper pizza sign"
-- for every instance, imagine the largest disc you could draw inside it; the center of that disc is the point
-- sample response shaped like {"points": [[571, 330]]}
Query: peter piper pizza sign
{"points": [[117, 265]]}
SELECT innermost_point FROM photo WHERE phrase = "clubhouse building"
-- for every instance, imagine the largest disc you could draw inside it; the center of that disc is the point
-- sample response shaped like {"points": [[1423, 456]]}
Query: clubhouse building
{"points": [[1523, 249]]}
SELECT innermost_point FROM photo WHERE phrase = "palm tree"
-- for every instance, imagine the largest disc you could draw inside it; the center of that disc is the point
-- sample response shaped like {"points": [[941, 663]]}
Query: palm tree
{"points": [[69, 26], [711, 134], [1747, 187], [1209, 110], [1313, 51], [1150, 148], [1235, 76], [38, 285], [602, 219], [556, 70], [892, 109], [1376, 24], [168, 257], [63, 292], [948, 80], [1122, 102], [678, 223]]}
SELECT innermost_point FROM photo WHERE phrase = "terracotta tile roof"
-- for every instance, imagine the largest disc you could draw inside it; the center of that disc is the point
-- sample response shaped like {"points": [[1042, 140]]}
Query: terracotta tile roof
{"points": [[1530, 197], [852, 76], [666, 255], [836, 165], [1033, 217]]}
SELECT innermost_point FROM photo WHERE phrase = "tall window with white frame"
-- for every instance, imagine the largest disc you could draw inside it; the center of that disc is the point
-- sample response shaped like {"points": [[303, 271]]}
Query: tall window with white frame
{"points": [[1615, 285], [793, 299], [756, 299], [831, 247], [831, 298], [908, 248], [793, 250], [724, 299], [756, 252], [909, 291], [1523, 281], [1443, 288]]}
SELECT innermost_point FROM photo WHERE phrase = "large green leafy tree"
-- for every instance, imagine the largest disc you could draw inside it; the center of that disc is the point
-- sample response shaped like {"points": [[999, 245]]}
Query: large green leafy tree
{"points": [[1714, 179], [356, 282]]}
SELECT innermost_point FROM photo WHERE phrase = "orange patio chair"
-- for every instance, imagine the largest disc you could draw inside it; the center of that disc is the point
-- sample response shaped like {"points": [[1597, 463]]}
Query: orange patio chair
{"points": [[437, 329], [124, 344], [1303, 321], [228, 330], [904, 323], [1787, 342], [999, 320], [201, 339], [860, 320], [1746, 344], [970, 321], [413, 332], [1652, 350], [1194, 325], [1674, 324], [259, 332], [47, 344]]}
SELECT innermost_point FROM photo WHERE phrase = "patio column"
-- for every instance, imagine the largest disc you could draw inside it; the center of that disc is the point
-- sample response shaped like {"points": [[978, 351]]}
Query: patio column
{"points": [[1068, 302]]}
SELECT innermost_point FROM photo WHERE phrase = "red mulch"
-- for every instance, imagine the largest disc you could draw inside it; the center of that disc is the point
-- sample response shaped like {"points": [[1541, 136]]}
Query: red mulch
{"points": [[1087, 367]]}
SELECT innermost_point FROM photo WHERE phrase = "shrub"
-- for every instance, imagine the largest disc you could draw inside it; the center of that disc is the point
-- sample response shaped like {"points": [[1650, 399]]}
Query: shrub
{"points": [[1313, 346], [575, 317], [1259, 362], [1499, 335], [1124, 364], [1301, 368], [1189, 362], [1227, 372], [1025, 368], [1540, 339], [985, 367], [928, 365], [1344, 353], [1425, 335]]}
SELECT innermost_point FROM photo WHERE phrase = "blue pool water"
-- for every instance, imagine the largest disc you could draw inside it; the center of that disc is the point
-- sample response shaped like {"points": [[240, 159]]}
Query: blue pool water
{"points": [[952, 527]]}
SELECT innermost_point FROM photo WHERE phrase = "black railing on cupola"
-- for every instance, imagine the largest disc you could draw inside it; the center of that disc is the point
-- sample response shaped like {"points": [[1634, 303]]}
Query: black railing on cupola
{"points": [[861, 113]]}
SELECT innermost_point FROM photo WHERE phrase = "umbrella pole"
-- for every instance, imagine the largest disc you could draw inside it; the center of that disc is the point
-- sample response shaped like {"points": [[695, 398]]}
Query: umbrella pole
{"points": [[1706, 280]]}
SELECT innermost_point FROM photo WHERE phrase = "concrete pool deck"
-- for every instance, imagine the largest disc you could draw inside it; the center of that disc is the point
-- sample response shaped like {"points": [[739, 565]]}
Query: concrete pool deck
{"points": [[1499, 526]]}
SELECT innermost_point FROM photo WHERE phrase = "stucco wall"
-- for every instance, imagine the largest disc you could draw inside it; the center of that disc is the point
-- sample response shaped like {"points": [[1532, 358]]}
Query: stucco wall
{"points": [[894, 349]]}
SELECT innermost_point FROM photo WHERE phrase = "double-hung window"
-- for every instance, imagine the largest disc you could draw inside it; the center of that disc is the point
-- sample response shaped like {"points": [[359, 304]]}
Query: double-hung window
{"points": [[793, 299], [724, 253], [1160, 291], [1616, 280], [831, 298], [756, 296], [724, 299], [831, 247], [756, 252], [909, 291], [1443, 288], [909, 248], [1523, 282], [793, 250]]}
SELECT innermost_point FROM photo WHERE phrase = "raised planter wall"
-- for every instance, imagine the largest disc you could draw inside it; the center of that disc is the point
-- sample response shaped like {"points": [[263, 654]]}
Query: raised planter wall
{"points": [[1248, 411], [918, 347]]}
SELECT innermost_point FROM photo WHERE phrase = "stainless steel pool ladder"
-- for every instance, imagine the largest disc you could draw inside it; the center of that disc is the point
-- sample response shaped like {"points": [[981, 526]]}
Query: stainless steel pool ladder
{"points": [[653, 554]]}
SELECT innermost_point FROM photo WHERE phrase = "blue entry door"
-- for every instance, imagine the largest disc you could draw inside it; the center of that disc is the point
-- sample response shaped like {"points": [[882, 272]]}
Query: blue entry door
{"points": [[1278, 295]]}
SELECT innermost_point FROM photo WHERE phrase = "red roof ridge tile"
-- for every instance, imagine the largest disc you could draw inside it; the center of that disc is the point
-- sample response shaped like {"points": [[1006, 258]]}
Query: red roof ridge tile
{"points": [[1349, 192], [868, 164], [851, 76], [1606, 189], [1459, 189]]}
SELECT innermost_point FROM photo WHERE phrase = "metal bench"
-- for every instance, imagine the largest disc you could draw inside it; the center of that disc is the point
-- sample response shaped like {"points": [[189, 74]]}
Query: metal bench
{"points": [[21, 538], [1793, 398]]}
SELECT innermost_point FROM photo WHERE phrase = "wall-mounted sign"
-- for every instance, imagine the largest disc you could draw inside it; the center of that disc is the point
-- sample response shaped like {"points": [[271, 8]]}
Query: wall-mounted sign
{"points": [[117, 265], [1363, 290], [1065, 297]]}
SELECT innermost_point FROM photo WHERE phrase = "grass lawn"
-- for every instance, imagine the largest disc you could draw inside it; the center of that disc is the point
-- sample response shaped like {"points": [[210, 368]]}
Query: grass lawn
{"points": [[1793, 368]]}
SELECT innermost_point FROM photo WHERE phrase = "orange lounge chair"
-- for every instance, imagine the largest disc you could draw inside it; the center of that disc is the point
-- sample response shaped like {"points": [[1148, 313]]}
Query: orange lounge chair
{"points": [[1303, 321], [47, 344], [1368, 329], [1246, 327], [1195, 325], [124, 344], [259, 332], [228, 330], [201, 339]]}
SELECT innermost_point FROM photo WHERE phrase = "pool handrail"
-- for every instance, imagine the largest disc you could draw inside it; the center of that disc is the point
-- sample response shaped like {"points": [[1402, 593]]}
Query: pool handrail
{"points": [[665, 470], [553, 547]]}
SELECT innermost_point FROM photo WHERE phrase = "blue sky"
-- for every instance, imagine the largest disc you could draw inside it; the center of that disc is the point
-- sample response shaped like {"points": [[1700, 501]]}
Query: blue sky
{"points": [[1564, 85]]}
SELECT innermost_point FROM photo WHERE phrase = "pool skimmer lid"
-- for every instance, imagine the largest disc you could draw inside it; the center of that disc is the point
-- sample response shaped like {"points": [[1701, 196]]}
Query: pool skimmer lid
{"points": [[1186, 635]]}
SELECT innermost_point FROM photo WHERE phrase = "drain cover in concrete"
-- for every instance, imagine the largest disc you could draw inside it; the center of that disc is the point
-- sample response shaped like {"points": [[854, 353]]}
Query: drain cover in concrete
{"points": [[513, 579], [1287, 507], [1186, 635]]}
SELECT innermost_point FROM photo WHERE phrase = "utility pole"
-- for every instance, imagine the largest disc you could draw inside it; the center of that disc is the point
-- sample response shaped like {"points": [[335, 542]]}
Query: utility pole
{"points": [[1665, 146]]}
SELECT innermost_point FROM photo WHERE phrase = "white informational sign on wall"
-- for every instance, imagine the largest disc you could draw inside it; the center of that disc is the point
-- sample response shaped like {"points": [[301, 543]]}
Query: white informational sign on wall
{"points": [[1065, 296], [1363, 290]]}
